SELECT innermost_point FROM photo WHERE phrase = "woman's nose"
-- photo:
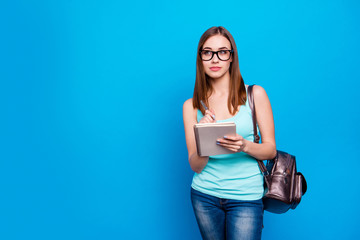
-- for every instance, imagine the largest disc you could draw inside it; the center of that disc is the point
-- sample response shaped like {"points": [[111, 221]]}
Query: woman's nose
{"points": [[215, 58]]}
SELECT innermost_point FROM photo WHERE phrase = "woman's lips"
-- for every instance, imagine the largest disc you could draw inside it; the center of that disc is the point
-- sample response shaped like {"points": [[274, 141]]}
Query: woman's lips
{"points": [[215, 69]]}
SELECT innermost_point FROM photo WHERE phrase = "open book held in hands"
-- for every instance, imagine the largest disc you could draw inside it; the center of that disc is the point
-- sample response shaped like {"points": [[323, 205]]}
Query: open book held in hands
{"points": [[206, 135]]}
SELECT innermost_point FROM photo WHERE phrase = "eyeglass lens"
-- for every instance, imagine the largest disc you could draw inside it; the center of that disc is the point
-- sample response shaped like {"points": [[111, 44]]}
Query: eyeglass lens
{"points": [[222, 55]]}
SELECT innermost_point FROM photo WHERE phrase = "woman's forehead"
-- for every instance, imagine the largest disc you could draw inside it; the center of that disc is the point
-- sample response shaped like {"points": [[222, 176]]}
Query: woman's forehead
{"points": [[217, 42]]}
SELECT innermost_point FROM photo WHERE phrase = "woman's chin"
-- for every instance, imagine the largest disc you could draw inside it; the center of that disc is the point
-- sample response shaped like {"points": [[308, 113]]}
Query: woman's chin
{"points": [[215, 75]]}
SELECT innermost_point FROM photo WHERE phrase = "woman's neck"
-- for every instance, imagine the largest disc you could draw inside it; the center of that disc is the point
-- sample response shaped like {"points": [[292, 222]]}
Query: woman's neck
{"points": [[221, 85]]}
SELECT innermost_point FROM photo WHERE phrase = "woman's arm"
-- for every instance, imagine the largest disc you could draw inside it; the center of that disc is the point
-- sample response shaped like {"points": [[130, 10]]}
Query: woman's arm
{"points": [[267, 148], [197, 163]]}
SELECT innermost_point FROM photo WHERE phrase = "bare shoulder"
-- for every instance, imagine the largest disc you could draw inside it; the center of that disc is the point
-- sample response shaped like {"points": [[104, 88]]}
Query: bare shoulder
{"points": [[259, 91], [188, 107], [188, 103], [260, 94]]}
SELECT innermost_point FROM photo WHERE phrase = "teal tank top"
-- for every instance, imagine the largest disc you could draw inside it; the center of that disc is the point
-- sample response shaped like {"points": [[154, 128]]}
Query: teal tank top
{"points": [[232, 176]]}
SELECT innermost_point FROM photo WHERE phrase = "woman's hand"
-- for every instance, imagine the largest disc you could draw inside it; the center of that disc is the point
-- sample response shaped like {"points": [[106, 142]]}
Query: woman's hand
{"points": [[234, 143], [209, 117]]}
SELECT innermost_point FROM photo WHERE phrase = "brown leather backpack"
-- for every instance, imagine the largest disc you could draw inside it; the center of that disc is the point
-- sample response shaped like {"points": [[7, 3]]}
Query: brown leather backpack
{"points": [[284, 186]]}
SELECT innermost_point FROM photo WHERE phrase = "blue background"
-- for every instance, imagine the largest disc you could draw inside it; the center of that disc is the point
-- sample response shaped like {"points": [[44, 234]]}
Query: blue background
{"points": [[92, 140]]}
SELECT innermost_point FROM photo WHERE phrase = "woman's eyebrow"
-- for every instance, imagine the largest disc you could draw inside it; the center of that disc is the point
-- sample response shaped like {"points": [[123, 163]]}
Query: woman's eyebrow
{"points": [[211, 48]]}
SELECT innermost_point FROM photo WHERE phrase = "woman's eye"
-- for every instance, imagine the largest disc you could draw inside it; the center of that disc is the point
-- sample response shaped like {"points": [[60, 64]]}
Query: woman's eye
{"points": [[222, 52], [207, 52]]}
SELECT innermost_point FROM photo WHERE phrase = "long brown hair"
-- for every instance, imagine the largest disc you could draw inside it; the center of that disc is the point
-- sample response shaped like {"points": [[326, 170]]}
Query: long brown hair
{"points": [[202, 89]]}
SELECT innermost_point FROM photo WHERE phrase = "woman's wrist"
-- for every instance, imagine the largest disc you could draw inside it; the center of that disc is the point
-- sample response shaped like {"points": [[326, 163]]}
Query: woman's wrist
{"points": [[246, 146], [198, 163], [260, 151]]}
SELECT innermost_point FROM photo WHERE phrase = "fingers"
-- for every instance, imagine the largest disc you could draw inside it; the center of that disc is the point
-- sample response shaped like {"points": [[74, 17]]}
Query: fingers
{"points": [[233, 143], [211, 113], [208, 118], [236, 137], [232, 147]]}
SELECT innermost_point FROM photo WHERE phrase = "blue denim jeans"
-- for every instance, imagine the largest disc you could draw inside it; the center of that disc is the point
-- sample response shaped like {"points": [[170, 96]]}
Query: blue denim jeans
{"points": [[229, 219]]}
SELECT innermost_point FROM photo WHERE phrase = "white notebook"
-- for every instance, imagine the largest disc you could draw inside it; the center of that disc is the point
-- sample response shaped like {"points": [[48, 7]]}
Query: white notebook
{"points": [[206, 135]]}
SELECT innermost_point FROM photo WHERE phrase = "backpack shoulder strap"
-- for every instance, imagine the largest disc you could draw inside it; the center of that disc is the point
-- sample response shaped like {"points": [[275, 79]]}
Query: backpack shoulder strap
{"points": [[256, 136], [252, 107]]}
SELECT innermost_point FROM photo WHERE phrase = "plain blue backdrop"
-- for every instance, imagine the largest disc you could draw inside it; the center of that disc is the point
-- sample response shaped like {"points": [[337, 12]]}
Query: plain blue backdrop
{"points": [[92, 140]]}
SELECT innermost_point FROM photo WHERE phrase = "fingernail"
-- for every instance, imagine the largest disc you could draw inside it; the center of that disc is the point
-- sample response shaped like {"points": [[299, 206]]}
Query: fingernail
{"points": [[213, 117], [217, 143], [225, 136]]}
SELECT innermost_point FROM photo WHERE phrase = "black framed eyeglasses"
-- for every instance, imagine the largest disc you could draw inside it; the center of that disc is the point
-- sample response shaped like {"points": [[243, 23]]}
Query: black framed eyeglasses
{"points": [[223, 55]]}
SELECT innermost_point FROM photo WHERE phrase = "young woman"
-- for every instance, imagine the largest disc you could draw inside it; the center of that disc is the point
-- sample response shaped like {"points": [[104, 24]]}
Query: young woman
{"points": [[227, 190]]}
